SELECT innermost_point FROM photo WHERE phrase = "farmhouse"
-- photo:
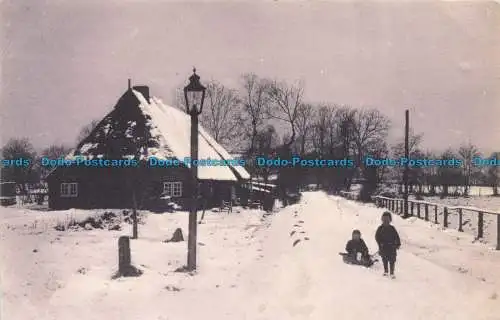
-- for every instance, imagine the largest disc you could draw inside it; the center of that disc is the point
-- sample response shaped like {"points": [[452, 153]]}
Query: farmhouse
{"points": [[141, 128]]}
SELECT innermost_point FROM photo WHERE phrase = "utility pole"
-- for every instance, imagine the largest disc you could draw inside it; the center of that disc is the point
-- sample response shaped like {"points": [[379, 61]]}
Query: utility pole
{"points": [[407, 168]]}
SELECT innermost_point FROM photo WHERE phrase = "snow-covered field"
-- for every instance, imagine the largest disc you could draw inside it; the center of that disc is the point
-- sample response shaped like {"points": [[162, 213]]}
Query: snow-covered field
{"points": [[481, 198], [474, 190], [249, 268], [470, 218]]}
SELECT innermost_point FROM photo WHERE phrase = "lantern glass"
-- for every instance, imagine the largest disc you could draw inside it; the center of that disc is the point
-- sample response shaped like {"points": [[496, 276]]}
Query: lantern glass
{"points": [[194, 100], [194, 94]]}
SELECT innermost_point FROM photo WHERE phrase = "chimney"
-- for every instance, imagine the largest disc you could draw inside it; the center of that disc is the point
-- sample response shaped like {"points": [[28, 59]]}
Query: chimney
{"points": [[129, 83], [144, 90]]}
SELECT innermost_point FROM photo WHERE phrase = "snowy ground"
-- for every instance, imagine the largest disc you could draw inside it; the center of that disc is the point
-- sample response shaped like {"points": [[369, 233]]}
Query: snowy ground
{"points": [[470, 218], [481, 197], [249, 268]]}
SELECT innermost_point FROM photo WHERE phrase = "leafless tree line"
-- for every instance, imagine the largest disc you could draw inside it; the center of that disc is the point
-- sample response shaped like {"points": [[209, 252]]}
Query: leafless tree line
{"points": [[269, 118], [426, 180], [262, 108]]}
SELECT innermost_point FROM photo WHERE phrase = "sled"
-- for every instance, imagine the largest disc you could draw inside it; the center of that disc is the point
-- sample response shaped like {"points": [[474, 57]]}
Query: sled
{"points": [[368, 263]]}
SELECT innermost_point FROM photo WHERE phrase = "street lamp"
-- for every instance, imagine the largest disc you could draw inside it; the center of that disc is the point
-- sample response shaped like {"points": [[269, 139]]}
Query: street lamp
{"points": [[194, 93]]}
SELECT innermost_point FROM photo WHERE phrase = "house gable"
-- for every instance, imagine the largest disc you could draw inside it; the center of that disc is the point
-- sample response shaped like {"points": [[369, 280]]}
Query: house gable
{"points": [[141, 127]]}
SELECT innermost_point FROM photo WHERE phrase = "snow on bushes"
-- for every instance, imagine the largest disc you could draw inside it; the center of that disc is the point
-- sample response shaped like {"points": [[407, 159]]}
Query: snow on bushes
{"points": [[107, 220]]}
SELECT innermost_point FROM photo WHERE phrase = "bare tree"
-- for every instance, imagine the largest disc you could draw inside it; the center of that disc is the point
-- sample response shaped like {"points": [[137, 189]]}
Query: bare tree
{"points": [[332, 138], [416, 175], [55, 151], [345, 124], [52, 152], [467, 153], [448, 176], [304, 126], [222, 115], [321, 127], [493, 175], [266, 144], [370, 129], [87, 130], [255, 100], [341, 138], [285, 103], [430, 174], [414, 141], [21, 173], [369, 133]]}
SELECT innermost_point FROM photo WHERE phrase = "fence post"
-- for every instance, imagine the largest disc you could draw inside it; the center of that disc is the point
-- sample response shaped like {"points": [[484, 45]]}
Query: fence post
{"points": [[498, 231], [445, 217], [460, 220], [418, 210], [426, 212], [480, 224], [411, 206], [392, 205], [124, 258], [436, 214]]}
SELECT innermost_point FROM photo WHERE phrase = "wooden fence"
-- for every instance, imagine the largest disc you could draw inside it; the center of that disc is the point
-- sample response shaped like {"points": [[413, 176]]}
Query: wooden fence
{"points": [[351, 195], [429, 211]]}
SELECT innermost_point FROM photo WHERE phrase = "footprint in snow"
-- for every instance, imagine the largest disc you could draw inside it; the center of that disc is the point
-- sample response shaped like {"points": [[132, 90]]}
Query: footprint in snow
{"points": [[297, 225], [296, 242], [462, 270], [173, 288], [292, 233]]}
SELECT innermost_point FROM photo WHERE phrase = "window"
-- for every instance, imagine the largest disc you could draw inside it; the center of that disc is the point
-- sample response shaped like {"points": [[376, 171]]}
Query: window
{"points": [[172, 189], [69, 189]]}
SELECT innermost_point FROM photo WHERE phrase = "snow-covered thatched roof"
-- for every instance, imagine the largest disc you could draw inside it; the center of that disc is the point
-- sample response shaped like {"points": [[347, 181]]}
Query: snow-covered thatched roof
{"points": [[145, 127]]}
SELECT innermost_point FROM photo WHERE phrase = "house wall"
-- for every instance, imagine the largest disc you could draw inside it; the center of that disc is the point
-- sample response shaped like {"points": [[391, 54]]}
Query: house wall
{"points": [[112, 187]]}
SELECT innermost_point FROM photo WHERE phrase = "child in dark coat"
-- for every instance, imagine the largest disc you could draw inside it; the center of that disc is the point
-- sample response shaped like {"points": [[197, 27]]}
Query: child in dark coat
{"points": [[357, 246], [388, 243]]}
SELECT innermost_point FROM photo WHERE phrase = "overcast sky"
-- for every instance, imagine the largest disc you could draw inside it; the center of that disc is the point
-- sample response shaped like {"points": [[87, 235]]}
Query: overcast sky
{"points": [[65, 63]]}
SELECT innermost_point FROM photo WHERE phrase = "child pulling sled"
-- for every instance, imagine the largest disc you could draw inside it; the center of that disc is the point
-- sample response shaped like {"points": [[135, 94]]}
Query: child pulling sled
{"points": [[388, 242]]}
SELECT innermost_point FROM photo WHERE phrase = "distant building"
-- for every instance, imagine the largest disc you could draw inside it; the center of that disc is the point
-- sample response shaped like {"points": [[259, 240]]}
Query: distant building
{"points": [[143, 128]]}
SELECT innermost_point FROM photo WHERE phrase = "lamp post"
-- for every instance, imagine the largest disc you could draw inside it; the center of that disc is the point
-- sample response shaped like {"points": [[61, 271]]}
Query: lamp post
{"points": [[194, 93]]}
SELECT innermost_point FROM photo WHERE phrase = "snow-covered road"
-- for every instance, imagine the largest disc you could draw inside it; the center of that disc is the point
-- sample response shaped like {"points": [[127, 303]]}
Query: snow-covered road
{"points": [[285, 266], [311, 281]]}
